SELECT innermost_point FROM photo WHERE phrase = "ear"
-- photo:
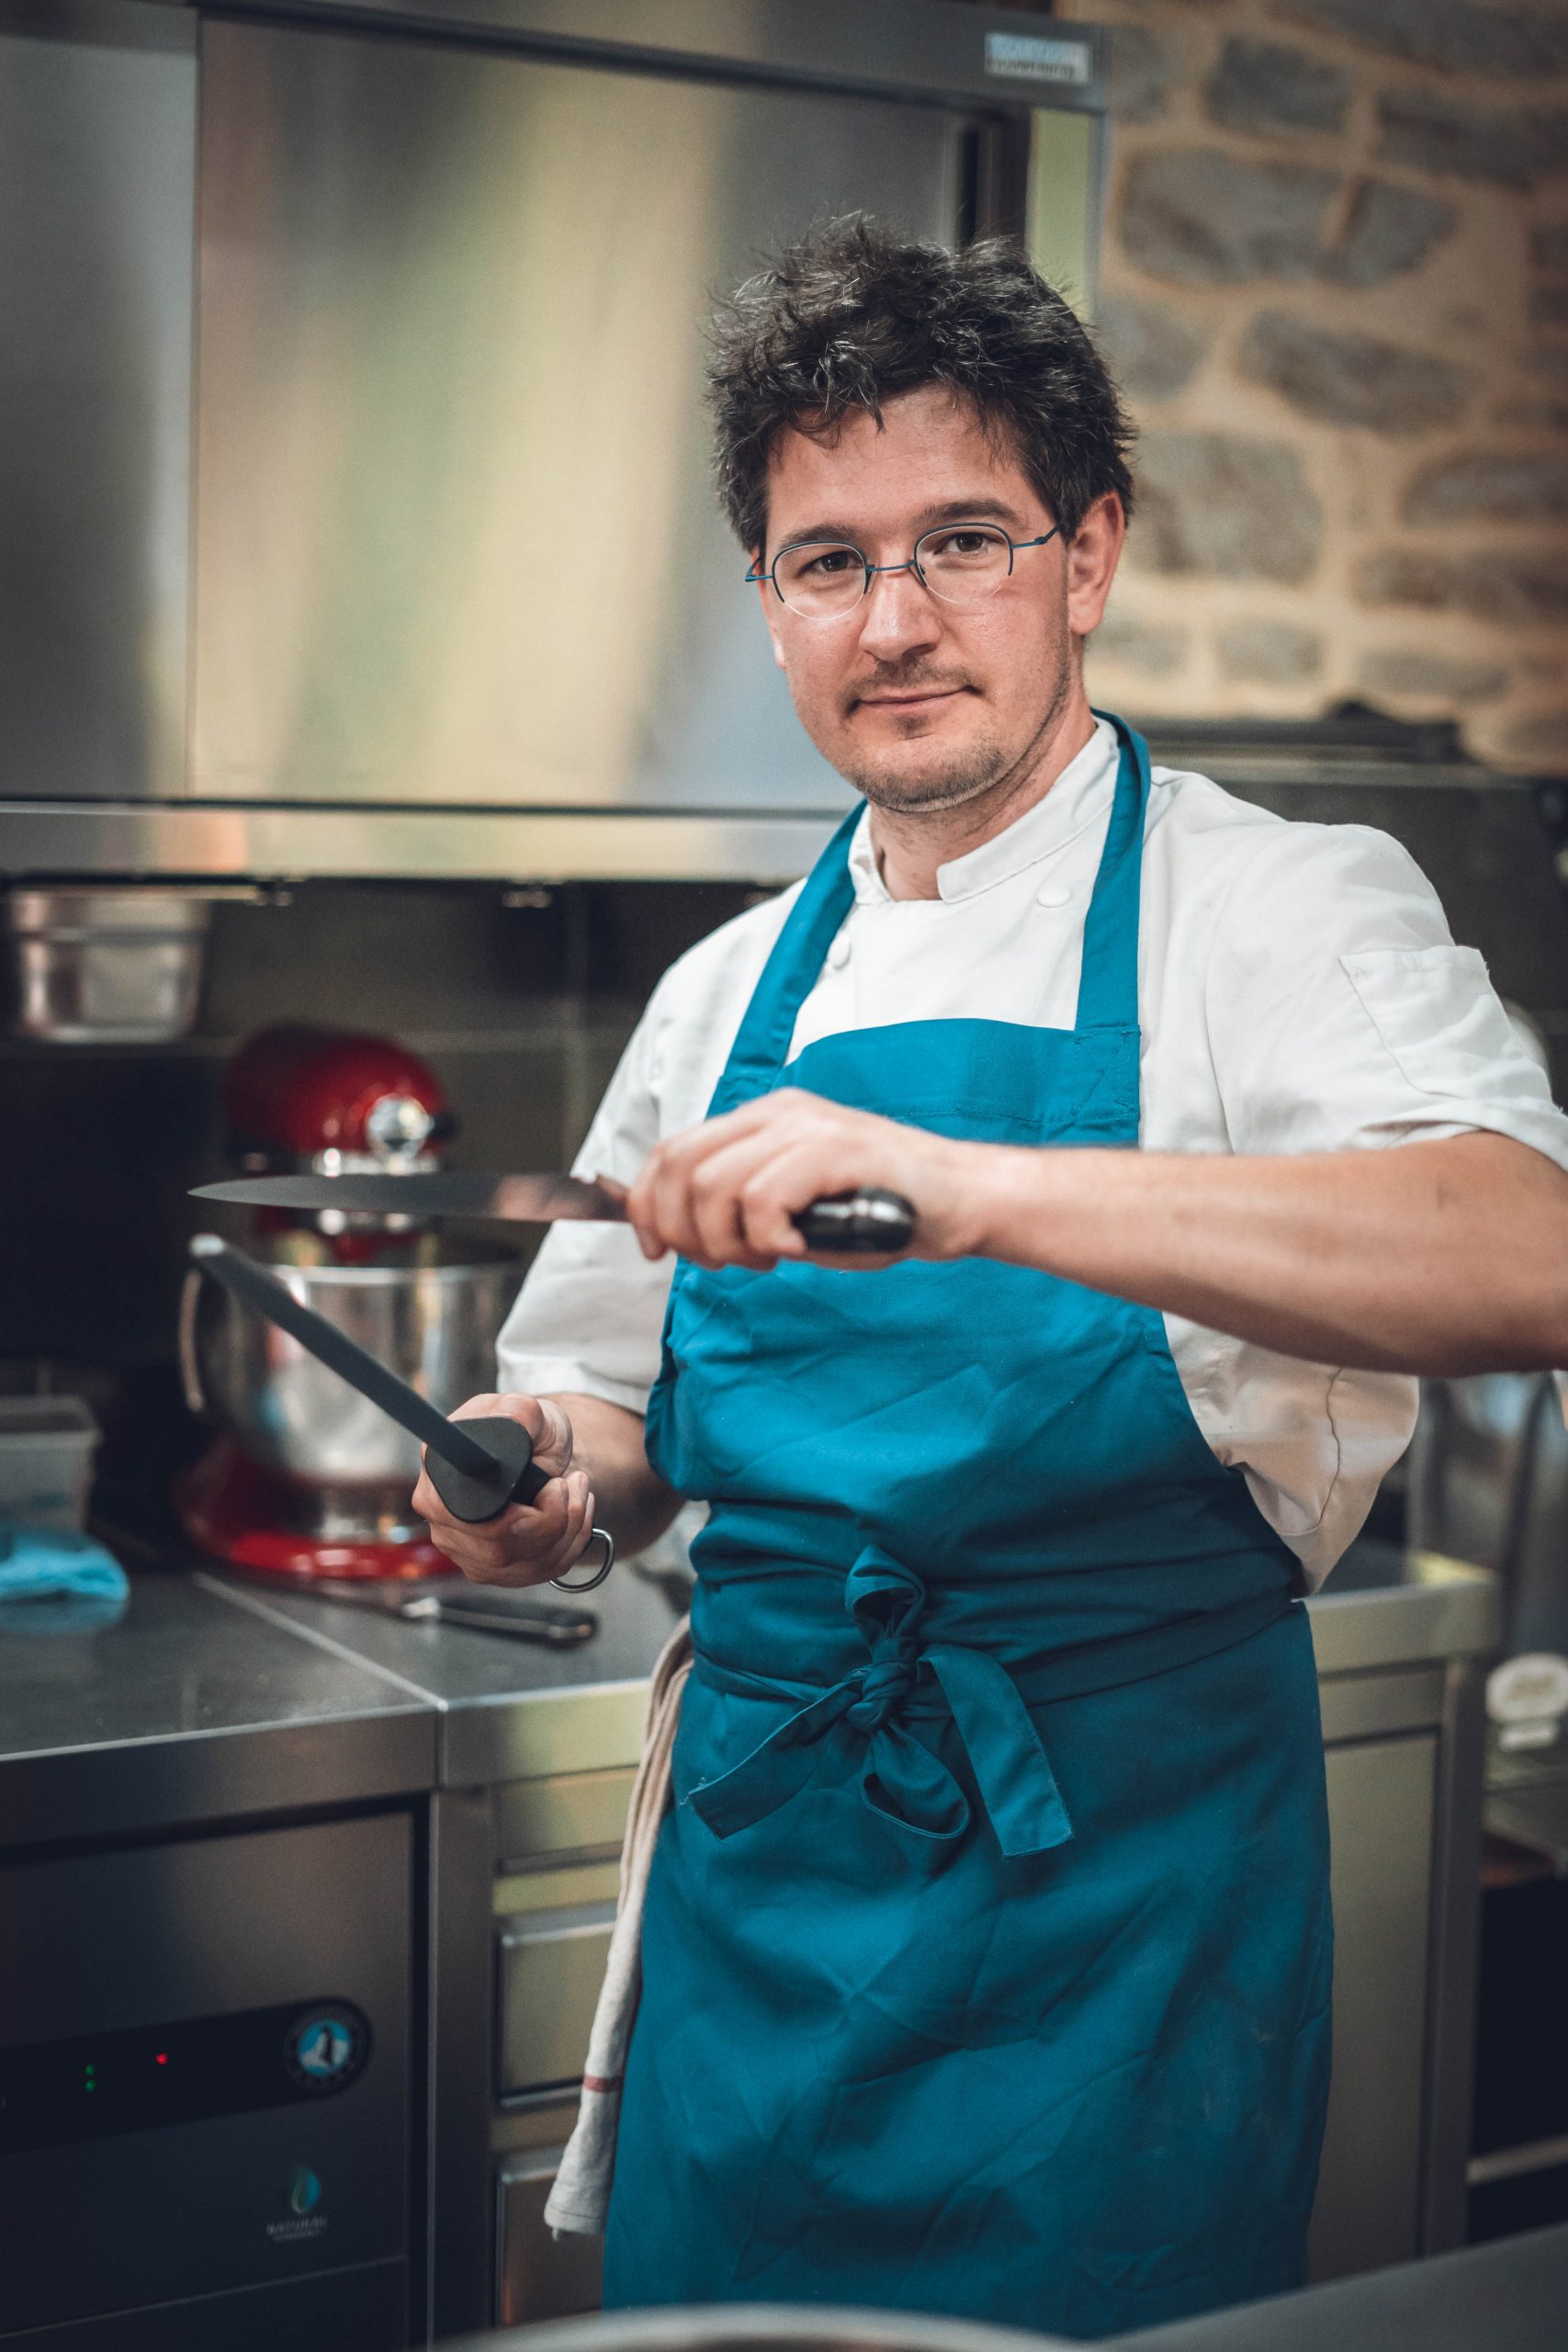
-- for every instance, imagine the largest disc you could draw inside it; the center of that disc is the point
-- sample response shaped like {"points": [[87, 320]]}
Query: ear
{"points": [[772, 608], [1093, 553]]}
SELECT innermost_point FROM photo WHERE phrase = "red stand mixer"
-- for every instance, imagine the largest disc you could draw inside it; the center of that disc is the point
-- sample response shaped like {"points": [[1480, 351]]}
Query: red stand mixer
{"points": [[307, 1480]]}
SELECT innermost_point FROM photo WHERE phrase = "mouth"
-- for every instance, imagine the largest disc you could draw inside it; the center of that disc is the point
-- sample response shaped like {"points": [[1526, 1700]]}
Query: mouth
{"points": [[921, 699]]}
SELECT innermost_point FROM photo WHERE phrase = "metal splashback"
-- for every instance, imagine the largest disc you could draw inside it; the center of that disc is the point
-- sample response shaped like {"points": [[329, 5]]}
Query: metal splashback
{"points": [[461, 601], [456, 541]]}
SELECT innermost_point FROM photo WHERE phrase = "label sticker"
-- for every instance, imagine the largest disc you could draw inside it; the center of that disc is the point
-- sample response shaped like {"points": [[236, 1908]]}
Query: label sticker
{"points": [[1027, 57]]}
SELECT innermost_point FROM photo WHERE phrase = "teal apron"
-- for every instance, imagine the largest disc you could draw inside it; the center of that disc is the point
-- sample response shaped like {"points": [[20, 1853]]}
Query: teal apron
{"points": [[986, 1955]]}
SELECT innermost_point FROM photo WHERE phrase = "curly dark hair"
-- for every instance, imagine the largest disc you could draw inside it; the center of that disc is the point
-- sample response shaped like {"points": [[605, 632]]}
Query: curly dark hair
{"points": [[854, 313]]}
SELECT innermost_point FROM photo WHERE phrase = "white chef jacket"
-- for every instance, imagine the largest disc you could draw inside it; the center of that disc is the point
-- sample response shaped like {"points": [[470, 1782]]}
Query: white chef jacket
{"points": [[1298, 991]]}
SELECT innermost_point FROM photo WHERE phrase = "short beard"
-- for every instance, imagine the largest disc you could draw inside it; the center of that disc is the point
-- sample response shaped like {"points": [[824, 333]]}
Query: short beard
{"points": [[986, 771], [956, 786]]}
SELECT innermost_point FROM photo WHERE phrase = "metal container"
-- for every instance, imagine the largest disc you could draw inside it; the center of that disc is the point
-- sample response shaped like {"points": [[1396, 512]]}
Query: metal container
{"points": [[769, 2327], [351, 1469], [107, 966]]}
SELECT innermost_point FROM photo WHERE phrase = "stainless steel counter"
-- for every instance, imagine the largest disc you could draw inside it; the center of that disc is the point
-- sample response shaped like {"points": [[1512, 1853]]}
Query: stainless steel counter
{"points": [[182, 1710], [216, 1697], [504, 1710]]}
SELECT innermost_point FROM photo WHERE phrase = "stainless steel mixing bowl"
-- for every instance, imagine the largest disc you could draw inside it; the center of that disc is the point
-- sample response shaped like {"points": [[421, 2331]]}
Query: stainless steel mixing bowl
{"points": [[351, 1469]]}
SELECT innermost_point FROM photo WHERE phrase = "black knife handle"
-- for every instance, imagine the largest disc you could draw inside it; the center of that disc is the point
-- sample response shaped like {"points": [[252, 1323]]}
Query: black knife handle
{"points": [[859, 1224], [517, 1479]]}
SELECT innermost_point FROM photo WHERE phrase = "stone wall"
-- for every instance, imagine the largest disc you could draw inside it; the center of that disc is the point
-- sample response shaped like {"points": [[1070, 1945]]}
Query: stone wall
{"points": [[1335, 286]]}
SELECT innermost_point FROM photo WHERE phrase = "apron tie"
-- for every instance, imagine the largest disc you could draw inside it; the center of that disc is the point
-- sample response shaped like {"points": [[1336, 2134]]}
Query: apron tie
{"points": [[899, 1777]]}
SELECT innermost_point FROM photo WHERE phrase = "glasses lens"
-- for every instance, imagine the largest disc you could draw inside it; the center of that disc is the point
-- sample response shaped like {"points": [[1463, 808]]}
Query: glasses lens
{"points": [[820, 579], [964, 562]]}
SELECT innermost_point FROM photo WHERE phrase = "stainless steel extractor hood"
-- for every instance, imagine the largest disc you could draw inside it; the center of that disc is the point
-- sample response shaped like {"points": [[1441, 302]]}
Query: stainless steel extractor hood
{"points": [[459, 598]]}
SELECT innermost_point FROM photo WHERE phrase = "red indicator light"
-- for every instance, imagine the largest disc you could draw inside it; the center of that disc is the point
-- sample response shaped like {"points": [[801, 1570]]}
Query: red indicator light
{"points": [[162, 2057]]}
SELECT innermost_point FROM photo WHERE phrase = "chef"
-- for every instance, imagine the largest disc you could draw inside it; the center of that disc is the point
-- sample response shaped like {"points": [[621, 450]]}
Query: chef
{"points": [[986, 1951]]}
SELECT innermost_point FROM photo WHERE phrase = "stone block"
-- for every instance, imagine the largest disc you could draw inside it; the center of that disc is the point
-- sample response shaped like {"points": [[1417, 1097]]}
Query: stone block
{"points": [[1152, 648], [1227, 505], [1515, 147], [1423, 677], [1259, 85], [1549, 306], [1387, 229], [1352, 378], [1490, 486], [1501, 43], [1505, 586], [1152, 351], [1533, 416], [1542, 739], [1269, 654], [1203, 218], [1141, 71], [1550, 362]]}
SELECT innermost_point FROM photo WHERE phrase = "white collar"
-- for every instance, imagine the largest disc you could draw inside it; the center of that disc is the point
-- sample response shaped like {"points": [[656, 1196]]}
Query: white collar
{"points": [[1074, 801]]}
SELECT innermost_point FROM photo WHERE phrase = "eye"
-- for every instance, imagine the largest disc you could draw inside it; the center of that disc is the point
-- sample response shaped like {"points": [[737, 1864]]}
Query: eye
{"points": [[829, 563], [964, 543]]}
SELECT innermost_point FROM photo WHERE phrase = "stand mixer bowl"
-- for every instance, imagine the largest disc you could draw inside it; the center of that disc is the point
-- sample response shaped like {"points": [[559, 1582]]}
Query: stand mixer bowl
{"points": [[347, 1470]]}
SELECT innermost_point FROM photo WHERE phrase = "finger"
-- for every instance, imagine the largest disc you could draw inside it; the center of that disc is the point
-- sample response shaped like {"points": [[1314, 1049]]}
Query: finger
{"points": [[656, 1205], [546, 1423], [715, 1192], [784, 1185]]}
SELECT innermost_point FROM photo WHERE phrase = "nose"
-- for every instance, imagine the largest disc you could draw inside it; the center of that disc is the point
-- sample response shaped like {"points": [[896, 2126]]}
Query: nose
{"points": [[897, 617]]}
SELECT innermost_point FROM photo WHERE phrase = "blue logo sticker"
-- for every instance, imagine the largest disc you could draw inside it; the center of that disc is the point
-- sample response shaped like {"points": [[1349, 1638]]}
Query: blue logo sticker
{"points": [[326, 2047], [304, 2190]]}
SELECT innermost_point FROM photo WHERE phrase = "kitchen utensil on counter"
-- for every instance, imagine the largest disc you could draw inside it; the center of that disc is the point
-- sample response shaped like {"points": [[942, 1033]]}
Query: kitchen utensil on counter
{"points": [[866, 1221], [107, 966], [483, 1609], [477, 1466], [46, 1445], [308, 1480]]}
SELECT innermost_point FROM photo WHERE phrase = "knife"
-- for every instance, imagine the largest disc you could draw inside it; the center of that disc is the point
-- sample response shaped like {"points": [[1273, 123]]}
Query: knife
{"points": [[477, 1466], [855, 1224]]}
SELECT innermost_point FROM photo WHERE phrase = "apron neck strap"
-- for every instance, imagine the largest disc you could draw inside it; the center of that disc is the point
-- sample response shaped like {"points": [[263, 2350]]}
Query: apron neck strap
{"points": [[1108, 988], [1108, 991], [763, 1043]]}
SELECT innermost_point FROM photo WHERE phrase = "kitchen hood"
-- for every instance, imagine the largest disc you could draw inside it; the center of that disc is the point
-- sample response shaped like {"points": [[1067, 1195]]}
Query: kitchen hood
{"points": [[355, 516]]}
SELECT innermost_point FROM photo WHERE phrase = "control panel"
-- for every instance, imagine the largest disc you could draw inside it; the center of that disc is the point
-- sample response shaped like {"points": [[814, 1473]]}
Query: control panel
{"points": [[94, 2086]]}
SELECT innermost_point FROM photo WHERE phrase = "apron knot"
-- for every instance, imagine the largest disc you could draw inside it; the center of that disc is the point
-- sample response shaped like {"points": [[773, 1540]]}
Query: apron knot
{"points": [[884, 1684], [900, 1777], [887, 1601]]}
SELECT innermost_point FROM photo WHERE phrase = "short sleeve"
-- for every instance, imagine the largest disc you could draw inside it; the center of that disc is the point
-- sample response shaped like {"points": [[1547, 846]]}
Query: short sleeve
{"points": [[1342, 1014], [590, 1317]]}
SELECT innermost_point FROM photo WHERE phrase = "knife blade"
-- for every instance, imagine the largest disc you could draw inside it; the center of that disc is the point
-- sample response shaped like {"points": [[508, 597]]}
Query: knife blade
{"points": [[854, 1224]]}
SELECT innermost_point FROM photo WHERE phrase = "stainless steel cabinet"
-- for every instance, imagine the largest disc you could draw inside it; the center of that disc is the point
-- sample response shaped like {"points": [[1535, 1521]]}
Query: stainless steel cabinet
{"points": [[551, 1964], [98, 192], [538, 2276], [1382, 1798]]}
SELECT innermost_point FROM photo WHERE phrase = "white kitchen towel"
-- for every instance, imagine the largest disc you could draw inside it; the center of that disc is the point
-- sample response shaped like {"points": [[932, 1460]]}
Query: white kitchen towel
{"points": [[580, 2198]]}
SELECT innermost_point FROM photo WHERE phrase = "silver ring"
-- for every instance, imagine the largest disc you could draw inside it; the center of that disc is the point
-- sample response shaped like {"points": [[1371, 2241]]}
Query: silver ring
{"points": [[591, 1584]]}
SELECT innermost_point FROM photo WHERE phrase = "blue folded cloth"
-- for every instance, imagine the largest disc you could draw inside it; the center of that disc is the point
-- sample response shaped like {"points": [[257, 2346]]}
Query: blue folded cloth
{"points": [[56, 1563]]}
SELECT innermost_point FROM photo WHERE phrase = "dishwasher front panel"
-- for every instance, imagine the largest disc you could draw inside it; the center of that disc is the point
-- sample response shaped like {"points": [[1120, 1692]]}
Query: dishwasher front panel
{"points": [[259, 1984]]}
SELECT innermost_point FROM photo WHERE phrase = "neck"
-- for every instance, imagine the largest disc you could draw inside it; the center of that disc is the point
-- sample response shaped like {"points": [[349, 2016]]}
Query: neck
{"points": [[911, 846]]}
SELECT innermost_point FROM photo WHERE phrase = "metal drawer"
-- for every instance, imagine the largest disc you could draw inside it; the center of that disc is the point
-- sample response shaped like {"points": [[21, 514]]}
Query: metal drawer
{"points": [[552, 1964], [566, 1813], [538, 2276]]}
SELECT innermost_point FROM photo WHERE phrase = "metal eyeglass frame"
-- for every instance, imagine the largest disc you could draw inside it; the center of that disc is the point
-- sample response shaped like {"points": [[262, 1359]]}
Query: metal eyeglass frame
{"points": [[911, 563]]}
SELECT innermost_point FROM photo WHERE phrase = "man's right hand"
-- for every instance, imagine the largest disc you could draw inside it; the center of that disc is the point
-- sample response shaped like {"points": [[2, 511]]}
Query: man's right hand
{"points": [[528, 1542]]}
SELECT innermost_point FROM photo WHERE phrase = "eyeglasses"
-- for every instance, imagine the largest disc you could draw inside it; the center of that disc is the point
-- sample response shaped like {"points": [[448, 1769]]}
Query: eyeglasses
{"points": [[962, 563]]}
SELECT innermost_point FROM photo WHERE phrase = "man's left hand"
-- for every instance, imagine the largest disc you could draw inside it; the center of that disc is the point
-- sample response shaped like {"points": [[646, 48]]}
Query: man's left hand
{"points": [[726, 1194]]}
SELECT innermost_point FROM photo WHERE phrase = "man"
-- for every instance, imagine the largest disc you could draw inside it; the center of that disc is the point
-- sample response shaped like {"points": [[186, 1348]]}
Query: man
{"points": [[987, 1954]]}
